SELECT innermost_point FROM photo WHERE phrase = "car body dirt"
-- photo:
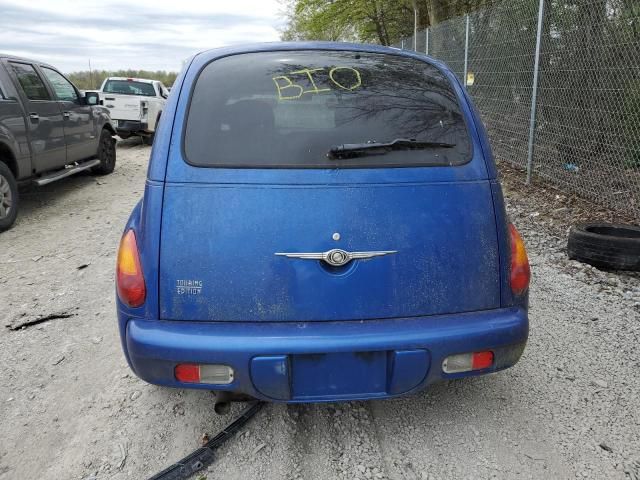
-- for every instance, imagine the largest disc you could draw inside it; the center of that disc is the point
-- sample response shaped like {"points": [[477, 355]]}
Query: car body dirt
{"points": [[250, 293]]}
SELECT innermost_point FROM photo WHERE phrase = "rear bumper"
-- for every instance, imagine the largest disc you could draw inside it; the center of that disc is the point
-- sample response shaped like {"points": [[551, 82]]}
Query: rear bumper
{"points": [[324, 361], [129, 127]]}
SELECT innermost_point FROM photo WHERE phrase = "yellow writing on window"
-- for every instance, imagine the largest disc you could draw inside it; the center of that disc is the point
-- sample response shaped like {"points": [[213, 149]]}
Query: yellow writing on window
{"points": [[285, 88], [358, 79], [288, 89]]}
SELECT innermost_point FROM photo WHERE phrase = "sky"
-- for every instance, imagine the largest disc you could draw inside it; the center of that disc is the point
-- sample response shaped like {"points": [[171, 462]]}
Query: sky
{"points": [[136, 34]]}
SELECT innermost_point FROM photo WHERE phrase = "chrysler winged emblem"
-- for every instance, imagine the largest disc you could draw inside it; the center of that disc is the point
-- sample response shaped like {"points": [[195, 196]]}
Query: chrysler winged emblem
{"points": [[336, 257]]}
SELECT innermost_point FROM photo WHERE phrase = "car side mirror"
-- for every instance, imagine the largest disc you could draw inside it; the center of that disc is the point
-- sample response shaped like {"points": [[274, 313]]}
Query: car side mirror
{"points": [[91, 98]]}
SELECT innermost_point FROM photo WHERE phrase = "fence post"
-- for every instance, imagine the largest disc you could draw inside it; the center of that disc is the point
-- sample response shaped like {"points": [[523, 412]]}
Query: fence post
{"points": [[402, 43], [427, 41], [466, 54], [415, 26], [534, 95]]}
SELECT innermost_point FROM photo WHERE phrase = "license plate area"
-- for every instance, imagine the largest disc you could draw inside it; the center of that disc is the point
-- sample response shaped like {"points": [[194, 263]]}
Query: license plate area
{"points": [[338, 375]]}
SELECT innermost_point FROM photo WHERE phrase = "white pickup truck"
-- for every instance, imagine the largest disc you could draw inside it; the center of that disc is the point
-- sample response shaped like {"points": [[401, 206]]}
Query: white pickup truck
{"points": [[135, 104]]}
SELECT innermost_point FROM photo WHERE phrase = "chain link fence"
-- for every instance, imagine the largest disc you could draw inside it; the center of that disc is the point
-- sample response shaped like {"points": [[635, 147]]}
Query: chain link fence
{"points": [[558, 87]]}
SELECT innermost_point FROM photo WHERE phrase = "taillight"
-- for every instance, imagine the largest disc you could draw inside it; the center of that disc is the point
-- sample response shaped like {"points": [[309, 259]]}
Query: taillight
{"points": [[217, 374], [187, 372], [520, 274], [468, 362], [129, 277]]}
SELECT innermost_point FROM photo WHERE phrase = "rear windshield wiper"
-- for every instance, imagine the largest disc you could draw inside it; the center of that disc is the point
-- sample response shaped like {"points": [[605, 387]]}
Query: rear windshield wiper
{"points": [[351, 150]]}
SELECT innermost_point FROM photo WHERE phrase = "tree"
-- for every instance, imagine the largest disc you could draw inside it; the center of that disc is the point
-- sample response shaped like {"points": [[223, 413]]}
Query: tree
{"points": [[378, 21]]}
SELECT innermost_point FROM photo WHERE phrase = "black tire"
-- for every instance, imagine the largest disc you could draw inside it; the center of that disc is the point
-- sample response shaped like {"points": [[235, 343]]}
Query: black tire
{"points": [[8, 198], [106, 154], [606, 246]]}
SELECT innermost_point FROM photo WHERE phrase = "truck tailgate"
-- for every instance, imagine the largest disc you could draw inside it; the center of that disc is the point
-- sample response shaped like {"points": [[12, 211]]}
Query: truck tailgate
{"points": [[122, 107]]}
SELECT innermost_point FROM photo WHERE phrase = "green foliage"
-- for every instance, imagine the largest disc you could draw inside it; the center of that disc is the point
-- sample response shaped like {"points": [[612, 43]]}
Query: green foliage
{"points": [[93, 80], [380, 21], [369, 21]]}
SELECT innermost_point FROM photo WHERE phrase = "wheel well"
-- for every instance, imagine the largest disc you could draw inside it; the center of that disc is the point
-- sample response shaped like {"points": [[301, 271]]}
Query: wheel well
{"points": [[7, 157], [109, 128]]}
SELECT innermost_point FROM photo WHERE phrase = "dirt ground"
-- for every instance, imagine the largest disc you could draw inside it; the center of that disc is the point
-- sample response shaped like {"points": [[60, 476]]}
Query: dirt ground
{"points": [[71, 409]]}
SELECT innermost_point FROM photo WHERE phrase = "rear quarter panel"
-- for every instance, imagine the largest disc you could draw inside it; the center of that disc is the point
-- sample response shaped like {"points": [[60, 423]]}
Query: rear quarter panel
{"points": [[145, 222], [146, 217]]}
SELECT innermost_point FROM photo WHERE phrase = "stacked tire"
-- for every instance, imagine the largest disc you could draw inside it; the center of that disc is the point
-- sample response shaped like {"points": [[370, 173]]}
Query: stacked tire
{"points": [[606, 246]]}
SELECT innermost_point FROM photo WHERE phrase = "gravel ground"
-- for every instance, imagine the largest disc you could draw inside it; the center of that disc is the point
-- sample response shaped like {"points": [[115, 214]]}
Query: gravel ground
{"points": [[70, 407]]}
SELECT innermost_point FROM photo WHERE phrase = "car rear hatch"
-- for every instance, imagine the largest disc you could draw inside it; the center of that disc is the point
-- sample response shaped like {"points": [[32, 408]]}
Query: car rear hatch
{"points": [[250, 194]]}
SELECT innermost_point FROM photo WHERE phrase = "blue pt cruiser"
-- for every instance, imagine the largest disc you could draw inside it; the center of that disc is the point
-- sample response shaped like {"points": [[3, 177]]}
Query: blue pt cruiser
{"points": [[320, 222]]}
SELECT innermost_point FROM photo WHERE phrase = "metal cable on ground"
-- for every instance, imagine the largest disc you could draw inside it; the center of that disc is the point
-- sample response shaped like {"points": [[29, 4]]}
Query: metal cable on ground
{"points": [[204, 455]]}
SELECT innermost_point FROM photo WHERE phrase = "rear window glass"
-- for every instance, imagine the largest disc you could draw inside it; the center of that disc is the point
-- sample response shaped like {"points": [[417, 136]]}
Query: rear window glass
{"points": [[129, 87], [289, 109]]}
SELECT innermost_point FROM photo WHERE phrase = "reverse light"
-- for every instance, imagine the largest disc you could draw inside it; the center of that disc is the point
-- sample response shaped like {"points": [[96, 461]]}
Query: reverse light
{"points": [[211, 374], [467, 362], [520, 273], [129, 278]]}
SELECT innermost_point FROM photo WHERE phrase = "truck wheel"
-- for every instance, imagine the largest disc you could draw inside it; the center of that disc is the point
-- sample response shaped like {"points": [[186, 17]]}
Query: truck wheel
{"points": [[106, 154], [8, 198], [606, 246]]}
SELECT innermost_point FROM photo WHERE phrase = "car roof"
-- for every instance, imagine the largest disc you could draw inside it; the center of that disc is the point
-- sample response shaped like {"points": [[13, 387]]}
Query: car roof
{"points": [[315, 45], [208, 55], [26, 60]]}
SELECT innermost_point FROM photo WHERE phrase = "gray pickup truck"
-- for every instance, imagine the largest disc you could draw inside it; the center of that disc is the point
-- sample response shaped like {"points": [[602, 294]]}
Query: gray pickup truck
{"points": [[48, 130]]}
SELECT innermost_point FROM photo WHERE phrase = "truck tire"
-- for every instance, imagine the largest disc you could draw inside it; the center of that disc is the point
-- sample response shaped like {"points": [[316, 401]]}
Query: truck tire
{"points": [[8, 198], [106, 154], [606, 246]]}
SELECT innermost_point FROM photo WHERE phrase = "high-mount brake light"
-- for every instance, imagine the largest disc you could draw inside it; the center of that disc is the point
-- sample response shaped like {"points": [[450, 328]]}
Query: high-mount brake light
{"points": [[129, 277], [520, 272]]}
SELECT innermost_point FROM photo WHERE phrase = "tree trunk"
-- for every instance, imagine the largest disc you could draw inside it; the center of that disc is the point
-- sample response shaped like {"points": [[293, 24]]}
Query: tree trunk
{"points": [[440, 10]]}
